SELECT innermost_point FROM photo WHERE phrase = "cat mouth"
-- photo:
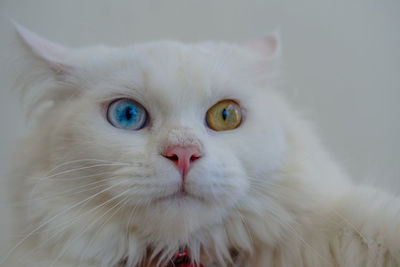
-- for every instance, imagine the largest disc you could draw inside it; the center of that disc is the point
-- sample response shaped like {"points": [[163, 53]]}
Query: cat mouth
{"points": [[179, 196]]}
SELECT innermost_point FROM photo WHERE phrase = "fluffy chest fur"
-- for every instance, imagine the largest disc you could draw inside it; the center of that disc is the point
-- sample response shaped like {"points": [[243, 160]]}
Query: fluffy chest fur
{"points": [[259, 191]]}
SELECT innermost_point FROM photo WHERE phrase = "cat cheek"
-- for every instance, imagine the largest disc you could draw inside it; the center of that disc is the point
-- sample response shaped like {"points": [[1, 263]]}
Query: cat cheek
{"points": [[222, 180]]}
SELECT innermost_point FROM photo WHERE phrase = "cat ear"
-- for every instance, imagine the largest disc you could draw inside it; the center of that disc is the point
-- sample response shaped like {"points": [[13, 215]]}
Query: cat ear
{"points": [[45, 81], [52, 54], [268, 47]]}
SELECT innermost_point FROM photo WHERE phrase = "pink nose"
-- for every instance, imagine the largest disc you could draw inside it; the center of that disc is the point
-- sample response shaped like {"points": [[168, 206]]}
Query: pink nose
{"points": [[182, 157]]}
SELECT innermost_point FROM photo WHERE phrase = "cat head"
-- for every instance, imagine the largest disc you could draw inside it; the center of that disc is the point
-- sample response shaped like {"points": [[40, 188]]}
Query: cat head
{"points": [[177, 136]]}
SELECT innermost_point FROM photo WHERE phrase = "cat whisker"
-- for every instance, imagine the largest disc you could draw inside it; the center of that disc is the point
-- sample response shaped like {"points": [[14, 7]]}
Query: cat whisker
{"points": [[246, 226], [80, 177], [291, 190], [73, 220], [29, 203], [353, 227], [330, 221], [81, 160], [84, 168], [285, 191], [64, 193], [293, 230], [365, 239], [131, 215], [73, 190], [65, 225], [121, 204], [51, 177], [268, 182], [91, 224], [53, 218]]}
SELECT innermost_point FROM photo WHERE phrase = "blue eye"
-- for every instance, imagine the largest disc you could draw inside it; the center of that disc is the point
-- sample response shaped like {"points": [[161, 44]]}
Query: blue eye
{"points": [[127, 114]]}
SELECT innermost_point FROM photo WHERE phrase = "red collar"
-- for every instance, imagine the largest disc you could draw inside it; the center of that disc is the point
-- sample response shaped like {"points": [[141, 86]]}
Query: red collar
{"points": [[182, 259]]}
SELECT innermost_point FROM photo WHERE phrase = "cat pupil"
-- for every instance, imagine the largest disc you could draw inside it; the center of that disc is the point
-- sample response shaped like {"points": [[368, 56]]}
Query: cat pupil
{"points": [[128, 113], [224, 114]]}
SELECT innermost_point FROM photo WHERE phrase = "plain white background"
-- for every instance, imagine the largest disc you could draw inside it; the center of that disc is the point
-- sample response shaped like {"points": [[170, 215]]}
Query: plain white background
{"points": [[341, 61]]}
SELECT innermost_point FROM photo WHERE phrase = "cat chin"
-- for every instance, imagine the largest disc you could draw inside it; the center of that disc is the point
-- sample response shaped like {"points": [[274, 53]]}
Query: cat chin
{"points": [[174, 219]]}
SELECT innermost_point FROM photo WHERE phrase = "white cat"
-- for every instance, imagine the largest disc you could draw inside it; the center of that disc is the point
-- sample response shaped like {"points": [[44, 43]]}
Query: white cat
{"points": [[167, 154]]}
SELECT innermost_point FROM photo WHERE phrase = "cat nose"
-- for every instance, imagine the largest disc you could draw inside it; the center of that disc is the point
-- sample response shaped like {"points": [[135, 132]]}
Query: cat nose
{"points": [[182, 157]]}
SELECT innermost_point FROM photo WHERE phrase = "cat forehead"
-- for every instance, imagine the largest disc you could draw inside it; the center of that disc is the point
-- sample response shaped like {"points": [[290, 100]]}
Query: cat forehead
{"points": [[167, 70], [176, 69]]}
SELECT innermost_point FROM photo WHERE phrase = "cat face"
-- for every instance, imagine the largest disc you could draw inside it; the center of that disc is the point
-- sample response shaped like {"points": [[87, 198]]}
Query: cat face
{"points": [[170, 87]]}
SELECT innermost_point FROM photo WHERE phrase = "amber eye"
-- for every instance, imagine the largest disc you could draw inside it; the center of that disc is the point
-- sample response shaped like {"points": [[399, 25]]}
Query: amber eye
{"points": [[225, 115]]}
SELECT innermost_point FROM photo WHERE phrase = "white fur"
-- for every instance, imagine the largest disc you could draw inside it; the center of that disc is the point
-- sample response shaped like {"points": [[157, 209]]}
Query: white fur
{"points": [[267, 190]]}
